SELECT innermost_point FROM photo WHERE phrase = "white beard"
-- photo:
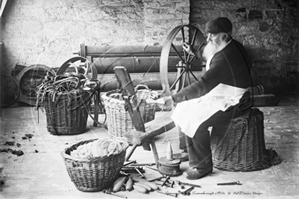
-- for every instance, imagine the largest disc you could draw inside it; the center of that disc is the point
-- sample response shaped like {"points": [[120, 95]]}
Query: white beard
{"points": [[209, 50]]}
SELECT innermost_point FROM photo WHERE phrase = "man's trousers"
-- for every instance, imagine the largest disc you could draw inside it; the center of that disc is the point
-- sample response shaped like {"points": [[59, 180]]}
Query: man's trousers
{"points": [[198, 147]]}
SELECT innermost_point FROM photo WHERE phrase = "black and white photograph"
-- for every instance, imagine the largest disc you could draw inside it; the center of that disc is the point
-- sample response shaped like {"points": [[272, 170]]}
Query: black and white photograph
{"points": [[149, 99]]}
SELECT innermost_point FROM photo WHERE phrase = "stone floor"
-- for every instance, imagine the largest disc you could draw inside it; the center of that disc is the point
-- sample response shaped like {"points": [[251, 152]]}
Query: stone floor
{"points": [[40, 172]]}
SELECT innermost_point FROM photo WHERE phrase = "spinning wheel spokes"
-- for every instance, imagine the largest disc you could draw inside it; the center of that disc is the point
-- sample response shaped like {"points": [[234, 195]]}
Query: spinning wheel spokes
{"points": [[177, 67]]}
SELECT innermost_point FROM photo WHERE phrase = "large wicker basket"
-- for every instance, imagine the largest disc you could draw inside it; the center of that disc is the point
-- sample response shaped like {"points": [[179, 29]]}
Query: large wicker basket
{"points": [[67, 113], [241, 145], [118, 118], [95, 174]]}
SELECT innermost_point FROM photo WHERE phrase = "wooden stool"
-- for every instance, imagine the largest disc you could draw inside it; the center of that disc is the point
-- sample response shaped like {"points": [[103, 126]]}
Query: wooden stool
{"points": [[241, 145]]}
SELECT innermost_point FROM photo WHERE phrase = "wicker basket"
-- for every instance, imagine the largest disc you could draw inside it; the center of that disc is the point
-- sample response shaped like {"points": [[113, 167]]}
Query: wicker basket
{"points": [[118, 118], [67, 114], [241, 146], [93, 175]]}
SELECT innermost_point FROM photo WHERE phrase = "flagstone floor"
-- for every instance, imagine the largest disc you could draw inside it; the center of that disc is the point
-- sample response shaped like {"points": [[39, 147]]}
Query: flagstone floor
{"points": [[40, 171]]}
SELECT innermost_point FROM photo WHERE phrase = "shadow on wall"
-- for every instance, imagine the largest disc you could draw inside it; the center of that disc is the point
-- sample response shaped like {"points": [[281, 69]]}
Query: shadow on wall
{"points": [[1, 44]]}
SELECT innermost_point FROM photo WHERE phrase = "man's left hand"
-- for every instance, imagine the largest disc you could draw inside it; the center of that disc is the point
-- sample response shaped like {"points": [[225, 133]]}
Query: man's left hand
{"points": [[167, 102], [187, 47]]}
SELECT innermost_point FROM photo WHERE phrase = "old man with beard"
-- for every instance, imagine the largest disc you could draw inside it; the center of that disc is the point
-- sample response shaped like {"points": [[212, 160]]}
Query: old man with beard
{"points": [[218, 96]]}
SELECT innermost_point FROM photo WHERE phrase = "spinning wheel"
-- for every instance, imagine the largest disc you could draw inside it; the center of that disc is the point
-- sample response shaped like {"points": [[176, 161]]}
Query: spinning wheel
{"points": [[177, 67]]}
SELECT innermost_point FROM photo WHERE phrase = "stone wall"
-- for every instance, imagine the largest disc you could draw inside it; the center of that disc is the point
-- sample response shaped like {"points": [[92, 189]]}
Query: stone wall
{"points": [[270, 31], [49, 31]]}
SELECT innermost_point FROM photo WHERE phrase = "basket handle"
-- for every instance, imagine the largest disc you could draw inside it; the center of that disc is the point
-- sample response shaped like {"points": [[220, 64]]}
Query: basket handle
{"points": [[90, 66], [141, 86], [116, 95]]}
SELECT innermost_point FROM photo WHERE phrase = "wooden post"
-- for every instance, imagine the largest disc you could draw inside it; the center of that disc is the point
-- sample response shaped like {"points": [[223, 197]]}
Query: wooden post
{"points": [[128, 89], [154, 152]]}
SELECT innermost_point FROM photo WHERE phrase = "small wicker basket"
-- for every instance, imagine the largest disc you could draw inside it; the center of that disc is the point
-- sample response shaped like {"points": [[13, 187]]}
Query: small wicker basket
{"points": [[241, 145], [95, 174], [118, 118], [67, 113]]}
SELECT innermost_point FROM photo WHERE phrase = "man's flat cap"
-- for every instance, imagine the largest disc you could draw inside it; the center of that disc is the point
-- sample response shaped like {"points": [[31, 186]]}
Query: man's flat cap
{"points": [[220, 24]]}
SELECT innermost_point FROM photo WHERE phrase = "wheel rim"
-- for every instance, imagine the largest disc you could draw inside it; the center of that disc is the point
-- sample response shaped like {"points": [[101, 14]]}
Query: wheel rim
{"points": [[177, 68], [37, 73]]}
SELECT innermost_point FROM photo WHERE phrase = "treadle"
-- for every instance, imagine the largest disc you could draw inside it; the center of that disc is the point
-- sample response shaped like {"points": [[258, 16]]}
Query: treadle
{"points": [[159, 125]]}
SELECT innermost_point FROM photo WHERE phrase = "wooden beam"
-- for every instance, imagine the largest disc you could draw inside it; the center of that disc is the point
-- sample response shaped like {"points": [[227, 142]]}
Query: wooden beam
{"points": [[159, 125], [265, 100]]}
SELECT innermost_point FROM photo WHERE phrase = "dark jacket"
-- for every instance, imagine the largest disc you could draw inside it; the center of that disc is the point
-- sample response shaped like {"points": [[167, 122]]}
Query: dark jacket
{"points": [[229, 66]]}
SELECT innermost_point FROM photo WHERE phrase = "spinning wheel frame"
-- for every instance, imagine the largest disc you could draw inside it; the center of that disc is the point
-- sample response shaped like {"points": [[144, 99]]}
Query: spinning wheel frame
{"points": [[183, 69]]}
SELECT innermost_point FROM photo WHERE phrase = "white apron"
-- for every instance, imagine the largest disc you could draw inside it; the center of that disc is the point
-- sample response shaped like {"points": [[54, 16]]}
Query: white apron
{"points": [[188, 115]]}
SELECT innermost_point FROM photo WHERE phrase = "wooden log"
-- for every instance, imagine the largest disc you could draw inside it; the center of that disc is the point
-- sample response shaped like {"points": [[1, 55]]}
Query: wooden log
{"points": [[134, 64], [120, 51], [152, 80], [124, 50], [140, 58], [265, 100]]}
